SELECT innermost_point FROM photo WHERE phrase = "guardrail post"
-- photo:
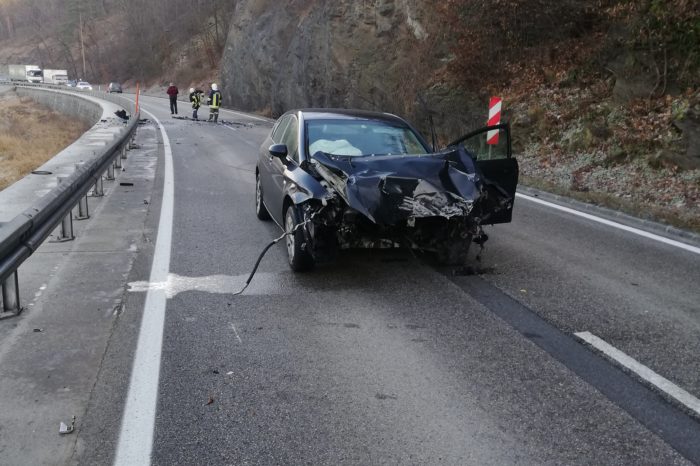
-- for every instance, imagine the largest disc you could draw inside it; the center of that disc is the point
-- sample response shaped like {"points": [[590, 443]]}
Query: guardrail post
{"points": [[83, 212], [66, 224], [98, 190], [118, 162], [110, 172], [124, 149], [10, 297]]}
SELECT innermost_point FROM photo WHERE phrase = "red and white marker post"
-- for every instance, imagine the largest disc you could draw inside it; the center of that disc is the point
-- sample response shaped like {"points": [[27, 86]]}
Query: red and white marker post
{"points": [[494, 119], [136, 106]]}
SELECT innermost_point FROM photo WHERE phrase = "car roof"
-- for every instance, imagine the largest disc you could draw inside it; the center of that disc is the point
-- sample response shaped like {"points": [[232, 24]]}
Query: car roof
{"points": [[345, 114]]}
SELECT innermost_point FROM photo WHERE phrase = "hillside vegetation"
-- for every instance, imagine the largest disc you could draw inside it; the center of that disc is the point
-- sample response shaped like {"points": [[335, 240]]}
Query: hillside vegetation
{"points": [[603, 95], [122, 40]]}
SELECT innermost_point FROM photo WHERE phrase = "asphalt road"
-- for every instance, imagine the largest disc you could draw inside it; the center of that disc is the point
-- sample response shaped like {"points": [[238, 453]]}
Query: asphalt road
{"points": [[381, 358]]}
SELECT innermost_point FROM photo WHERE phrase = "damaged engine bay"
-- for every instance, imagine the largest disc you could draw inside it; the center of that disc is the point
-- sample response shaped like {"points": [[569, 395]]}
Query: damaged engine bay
{"points": [[433, 202]]}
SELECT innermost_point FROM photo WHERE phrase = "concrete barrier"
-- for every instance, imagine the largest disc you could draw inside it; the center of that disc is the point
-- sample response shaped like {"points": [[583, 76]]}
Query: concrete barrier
{"points": [[32, 207], [72, 105], [106, 126]]}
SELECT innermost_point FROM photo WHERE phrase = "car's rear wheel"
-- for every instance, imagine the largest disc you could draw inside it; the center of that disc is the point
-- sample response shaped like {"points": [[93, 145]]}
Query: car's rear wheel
{"points": [[260, 209], [299, 258]]}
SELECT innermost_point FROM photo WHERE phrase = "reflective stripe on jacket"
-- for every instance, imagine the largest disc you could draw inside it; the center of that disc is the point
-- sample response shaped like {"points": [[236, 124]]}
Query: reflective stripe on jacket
{"points": [[196, 99], [215, 99]]}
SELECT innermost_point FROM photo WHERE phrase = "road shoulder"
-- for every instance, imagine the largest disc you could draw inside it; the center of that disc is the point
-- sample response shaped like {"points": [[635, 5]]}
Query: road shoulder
{"points": [[51, 354]]}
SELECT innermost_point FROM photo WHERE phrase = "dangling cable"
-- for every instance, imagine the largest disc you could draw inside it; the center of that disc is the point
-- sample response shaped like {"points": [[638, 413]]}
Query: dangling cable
{"points": [[267, 248]]}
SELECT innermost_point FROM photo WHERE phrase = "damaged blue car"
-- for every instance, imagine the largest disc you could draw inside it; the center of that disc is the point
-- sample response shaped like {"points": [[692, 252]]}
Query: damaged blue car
{"points": [[340, 179]]}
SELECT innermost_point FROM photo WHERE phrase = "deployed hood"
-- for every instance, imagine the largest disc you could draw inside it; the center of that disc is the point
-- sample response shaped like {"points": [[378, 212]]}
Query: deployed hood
{"points": [[392, 189]]}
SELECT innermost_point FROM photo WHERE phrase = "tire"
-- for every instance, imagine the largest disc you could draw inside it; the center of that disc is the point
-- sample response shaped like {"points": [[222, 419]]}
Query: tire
{"points": [[260, 209], [299, 258]]}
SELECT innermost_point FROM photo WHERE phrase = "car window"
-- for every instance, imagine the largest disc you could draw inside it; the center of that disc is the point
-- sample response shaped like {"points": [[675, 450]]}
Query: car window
{"points": [[488, 145], [291, 138], [278, 130], [361, 137]]}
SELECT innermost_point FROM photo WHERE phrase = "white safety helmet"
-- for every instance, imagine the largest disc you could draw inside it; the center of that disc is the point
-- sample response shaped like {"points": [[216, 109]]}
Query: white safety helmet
{"points": [[191, 90], [214, 87]]}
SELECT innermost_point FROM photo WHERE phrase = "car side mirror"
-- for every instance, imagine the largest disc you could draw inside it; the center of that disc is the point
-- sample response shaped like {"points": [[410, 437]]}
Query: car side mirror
{"points": [[279, 151]]}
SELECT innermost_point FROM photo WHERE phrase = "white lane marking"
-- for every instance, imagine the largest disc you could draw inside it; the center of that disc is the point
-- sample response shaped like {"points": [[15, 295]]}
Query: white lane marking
{"points": [[610, 223], [251, 144], [138, 420], [247, 115], [651, 377], [233, 327], [265, 283]]}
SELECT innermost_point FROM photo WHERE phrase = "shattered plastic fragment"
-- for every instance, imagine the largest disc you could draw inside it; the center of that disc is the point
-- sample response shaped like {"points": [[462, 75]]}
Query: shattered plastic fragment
{"points": [[64, 429]]}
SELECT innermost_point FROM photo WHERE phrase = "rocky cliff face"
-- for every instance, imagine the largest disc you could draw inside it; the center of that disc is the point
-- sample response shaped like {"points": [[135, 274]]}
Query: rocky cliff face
{"points": [[371, 54]]}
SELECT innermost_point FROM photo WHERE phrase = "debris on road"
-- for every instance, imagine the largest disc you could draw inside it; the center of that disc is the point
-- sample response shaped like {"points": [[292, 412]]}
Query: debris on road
{"points": [[220, 122], [64, 429], [210, 401], [38, 330], [122, 114]]}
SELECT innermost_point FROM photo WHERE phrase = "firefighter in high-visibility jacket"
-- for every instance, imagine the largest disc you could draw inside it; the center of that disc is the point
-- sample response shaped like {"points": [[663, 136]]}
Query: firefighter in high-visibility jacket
{"points": [[196, 100], [214, 102]]}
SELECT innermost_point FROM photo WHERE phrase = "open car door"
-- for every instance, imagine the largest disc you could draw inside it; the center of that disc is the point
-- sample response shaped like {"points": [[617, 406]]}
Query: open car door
{"points": [[491, 148]]}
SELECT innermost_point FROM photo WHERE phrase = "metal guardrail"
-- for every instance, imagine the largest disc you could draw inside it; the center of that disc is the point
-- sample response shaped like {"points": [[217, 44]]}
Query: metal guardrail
{"points": [[22, 236]]}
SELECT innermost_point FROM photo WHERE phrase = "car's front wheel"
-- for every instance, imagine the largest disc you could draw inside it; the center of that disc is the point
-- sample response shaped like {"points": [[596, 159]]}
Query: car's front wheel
{"points": [[260, 209], [299, 258]]}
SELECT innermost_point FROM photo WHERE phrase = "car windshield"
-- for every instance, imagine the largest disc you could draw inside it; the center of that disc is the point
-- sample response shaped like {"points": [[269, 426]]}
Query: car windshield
{"points": [[358, 138]]}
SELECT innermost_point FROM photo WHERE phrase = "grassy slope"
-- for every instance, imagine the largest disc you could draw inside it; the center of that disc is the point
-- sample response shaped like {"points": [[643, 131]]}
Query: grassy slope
{"points": [[31, 134]]}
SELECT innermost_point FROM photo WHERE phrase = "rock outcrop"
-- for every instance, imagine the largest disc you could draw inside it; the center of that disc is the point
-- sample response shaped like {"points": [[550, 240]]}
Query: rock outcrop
{"points": [[376, 55]]}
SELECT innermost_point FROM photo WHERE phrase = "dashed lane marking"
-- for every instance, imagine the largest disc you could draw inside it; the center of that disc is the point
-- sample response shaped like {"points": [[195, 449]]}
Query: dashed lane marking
{"points": [[642, 371]]}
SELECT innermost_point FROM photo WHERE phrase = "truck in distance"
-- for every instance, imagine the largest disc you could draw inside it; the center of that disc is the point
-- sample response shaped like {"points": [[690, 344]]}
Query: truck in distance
{"points": [[27, 73], [55, 76]]}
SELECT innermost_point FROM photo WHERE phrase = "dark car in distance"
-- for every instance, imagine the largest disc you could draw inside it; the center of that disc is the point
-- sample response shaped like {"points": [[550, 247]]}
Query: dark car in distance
{"points": [[114, 87], [339, 179]]}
